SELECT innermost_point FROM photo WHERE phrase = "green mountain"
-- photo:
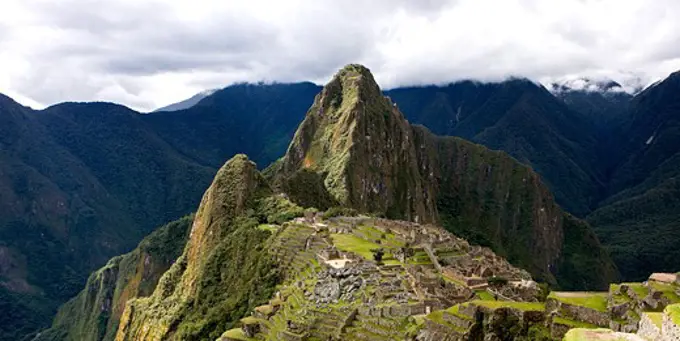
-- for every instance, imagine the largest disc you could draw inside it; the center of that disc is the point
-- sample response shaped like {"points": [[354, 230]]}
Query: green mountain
{"points": [[355, 149], [94, 314], [255, 119], [639, 219], [522, 119], [79, 184]]}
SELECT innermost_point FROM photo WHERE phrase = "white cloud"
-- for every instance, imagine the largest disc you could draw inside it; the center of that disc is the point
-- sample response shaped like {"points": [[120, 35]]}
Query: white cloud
{"points": [[148, 53]]}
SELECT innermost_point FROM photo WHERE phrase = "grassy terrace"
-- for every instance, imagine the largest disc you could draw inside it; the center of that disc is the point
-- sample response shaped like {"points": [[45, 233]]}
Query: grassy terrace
{"points": [[593, 300], [484, 295], [235, 334], [656, 318], [573, 323], [455, 311], [438, 317], [360, 246], [673, 311], [526, 306], [387, 239], [667, 290], [640, 290]]}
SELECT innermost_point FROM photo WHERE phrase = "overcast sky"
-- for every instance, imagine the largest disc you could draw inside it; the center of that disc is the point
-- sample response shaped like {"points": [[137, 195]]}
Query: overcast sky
{"points": [[148, 53]]}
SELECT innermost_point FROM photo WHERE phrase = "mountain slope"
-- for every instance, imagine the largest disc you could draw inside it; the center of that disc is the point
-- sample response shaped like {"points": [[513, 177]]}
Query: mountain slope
{"points": [[53, 209], [522, 119], [355, 147], [258, 120], [79, 183], [223, 271], [94, 314], [187, 103], [638, 220]]}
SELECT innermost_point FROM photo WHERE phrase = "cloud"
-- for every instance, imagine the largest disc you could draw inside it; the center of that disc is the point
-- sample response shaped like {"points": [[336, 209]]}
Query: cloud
{"points": [[147, 53]]}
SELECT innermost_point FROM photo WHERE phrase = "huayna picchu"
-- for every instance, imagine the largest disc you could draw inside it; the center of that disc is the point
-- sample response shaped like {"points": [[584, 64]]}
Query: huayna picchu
{"points": [[370, 228]]}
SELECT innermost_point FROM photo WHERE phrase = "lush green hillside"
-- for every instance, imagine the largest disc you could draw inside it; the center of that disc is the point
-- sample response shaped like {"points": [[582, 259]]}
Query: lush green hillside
{"points": [[94, 314], [522, 119], [639, 220], [79, 184], [224, 271], [255, 119]]}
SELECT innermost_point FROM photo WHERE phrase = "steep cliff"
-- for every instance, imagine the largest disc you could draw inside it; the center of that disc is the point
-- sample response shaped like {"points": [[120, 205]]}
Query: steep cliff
{"points": [[355, 147], [223, 271], [94, 314]]}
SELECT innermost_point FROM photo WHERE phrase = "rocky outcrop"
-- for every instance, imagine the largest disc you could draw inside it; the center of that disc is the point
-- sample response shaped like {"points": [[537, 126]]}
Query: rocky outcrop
{"points": [[355, 149]]}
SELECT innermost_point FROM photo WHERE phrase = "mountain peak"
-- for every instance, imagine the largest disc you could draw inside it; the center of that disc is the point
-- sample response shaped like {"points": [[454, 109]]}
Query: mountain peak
{"points": [[356, 146], [352, 83]]}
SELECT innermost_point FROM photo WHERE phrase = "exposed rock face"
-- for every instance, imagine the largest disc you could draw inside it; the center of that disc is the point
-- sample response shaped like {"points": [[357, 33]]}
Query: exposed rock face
{"points": [[355, 149], [94, 314]]}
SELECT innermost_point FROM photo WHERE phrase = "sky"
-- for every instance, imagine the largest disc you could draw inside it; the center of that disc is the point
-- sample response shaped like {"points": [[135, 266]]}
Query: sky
{"points": [[150, 53]]}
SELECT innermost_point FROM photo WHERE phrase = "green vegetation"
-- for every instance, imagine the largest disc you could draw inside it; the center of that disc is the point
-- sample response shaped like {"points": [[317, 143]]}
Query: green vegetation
{"points": [[592, 300], [527, 306], [226, 269], [277, 210], [484, 295], [573, 324], [337, 211], [640, 290], [352, 243], [236, 334], [90, 315], [670, 291], [656, 318], [673, 311]]}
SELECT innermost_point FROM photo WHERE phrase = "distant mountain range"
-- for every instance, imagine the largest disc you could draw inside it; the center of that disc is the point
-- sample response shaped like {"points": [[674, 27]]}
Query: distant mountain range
{"points": [[187, 103], [82, 182]]}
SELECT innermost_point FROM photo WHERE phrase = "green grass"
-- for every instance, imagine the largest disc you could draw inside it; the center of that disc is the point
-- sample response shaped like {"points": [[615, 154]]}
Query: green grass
{"points": [[352, 243], [668, 290], [455, 311], [236, 334], [484, 295], [389, 240], [573, 324], [438, 317], [640, 290], [593, 300], [673, 311], [656, 318], [268, 227], [525, 306], [360, 246]]}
